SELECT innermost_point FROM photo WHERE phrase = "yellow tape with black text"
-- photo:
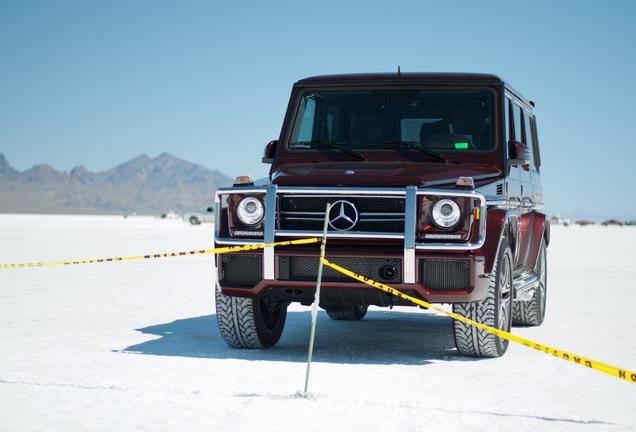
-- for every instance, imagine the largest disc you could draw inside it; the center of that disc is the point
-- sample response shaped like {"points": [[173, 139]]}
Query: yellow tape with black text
{"points": [[617, 372], [226, 249]]}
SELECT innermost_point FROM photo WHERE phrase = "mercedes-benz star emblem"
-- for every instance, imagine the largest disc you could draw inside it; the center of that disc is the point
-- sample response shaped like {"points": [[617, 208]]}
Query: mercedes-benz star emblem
{"points": [[343, 216]]}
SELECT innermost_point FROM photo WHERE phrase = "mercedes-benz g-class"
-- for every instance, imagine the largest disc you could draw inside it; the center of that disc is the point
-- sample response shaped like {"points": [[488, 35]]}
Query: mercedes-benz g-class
{"points": [[433, 181]]}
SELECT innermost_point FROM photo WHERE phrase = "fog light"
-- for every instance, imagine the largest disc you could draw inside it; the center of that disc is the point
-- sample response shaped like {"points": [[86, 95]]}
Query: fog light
{"points": [[388, 272]]}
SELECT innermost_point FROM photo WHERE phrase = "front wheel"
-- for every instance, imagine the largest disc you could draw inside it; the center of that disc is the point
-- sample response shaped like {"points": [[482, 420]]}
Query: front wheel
{"points": [[250, 323], [494, 311]]}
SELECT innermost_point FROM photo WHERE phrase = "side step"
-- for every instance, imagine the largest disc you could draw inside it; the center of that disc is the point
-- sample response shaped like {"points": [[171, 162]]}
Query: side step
{"points": [[524, 286]]}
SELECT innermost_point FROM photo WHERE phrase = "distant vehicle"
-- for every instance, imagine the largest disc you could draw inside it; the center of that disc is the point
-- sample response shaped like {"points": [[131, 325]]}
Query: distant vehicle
{"points": [[558, 220], [196, 218], [612, 222], [434, 187], [584, 222], [169, 215]]}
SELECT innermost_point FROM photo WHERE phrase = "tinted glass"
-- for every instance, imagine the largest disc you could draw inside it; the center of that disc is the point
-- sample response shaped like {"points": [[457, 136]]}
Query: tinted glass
{"points": [[370, 119]]}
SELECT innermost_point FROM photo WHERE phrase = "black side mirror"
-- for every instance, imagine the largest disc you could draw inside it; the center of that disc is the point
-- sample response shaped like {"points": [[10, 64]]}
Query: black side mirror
{"points": [[270, 150]]}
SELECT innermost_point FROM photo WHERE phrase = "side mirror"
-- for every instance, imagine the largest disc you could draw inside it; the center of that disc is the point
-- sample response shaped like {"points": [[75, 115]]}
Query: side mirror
{"points": [[270, 150], [519, 154]]}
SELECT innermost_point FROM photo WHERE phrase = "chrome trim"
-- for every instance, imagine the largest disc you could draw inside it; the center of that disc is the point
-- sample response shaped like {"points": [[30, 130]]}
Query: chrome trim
{"points": [[340, 234], [217, 214], [351, 219], [242, 189], [409, 234], [329, 191], [238, 242], [410, 194], [270, 233], [482, 222], [512, 203], [315, 216], [524, 287]]}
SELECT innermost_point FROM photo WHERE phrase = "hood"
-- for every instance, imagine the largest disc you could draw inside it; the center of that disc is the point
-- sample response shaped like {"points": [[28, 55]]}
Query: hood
{"points": [[389, 174]]}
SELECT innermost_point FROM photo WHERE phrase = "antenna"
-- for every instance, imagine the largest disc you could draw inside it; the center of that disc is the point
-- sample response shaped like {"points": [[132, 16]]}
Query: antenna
{"points": [[399, 72]]}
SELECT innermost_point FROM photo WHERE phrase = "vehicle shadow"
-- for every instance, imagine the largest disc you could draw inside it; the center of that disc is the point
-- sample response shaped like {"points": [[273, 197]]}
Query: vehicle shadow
{"points": [[382, 337]]}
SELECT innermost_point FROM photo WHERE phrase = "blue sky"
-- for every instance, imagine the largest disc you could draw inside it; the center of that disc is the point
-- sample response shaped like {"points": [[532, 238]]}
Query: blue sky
{"points": [[97, 83]]}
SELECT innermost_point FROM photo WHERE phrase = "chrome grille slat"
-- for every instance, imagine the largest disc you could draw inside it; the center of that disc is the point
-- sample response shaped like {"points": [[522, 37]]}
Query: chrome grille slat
{"points": [[377, 214]]}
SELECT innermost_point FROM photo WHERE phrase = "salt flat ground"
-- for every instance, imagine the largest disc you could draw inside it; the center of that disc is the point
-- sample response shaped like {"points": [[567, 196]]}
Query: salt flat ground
{"points": [[134, 345]]}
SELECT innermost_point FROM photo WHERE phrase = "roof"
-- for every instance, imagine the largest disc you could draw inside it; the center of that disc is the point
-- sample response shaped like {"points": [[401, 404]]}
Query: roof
{"points": [[415, 78], [409, 77]]}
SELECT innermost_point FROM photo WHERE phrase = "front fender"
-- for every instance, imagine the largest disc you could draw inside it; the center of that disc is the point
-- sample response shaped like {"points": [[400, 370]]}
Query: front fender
{"points": [[540, 227], [498, 225]]}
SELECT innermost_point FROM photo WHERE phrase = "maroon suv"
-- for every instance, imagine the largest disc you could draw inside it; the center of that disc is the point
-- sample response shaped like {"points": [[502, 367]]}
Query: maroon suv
{"points": [[434, 187]]}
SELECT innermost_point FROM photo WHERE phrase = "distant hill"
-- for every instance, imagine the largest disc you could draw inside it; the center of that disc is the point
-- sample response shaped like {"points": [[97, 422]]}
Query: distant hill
{"points": [[142, 185]]}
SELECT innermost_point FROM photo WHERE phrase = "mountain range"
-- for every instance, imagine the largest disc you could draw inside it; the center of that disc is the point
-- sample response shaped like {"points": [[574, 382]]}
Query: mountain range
{"points": [[143, 185]]}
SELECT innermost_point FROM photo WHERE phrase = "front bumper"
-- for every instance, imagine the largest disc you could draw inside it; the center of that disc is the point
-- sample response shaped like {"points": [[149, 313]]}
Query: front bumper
{"points": [[435, 271], [440, 278]]}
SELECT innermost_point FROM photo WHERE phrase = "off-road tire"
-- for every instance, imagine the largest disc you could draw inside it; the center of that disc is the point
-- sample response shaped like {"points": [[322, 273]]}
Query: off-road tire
{"points": [[532, 312], [195, 220], [250, 323], [354, 313], [495, 310]]}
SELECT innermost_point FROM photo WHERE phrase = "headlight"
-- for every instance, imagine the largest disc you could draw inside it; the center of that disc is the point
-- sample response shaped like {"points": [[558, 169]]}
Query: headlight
{"points": [[446, 213], [250, 211]]}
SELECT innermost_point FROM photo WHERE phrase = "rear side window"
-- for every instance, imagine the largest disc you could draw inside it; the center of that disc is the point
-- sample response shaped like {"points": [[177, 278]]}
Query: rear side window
{"points": [[522, 128], [533, 138]]}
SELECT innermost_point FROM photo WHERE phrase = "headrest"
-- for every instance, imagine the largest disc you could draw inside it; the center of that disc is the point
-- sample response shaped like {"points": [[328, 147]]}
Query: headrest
{"points": [[469, 120], [429, 129]]}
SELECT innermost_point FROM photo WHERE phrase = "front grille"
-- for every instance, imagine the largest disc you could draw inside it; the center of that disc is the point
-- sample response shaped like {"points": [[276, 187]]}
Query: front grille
{"points": [[445, 275], [241, 270], [377, 214], [300, 268]]}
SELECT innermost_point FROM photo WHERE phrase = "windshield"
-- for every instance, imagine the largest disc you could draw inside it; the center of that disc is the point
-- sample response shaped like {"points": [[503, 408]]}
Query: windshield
{"points": [[433, 120]]}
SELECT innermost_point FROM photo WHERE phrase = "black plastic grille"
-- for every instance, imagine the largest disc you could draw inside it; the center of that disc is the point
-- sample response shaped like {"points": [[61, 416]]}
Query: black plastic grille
{"points": [[296, 268], [241, 270], [377, 214], [445, 275]]}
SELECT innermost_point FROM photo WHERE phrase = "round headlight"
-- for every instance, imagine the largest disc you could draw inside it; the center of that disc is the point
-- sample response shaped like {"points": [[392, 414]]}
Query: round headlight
{"points": [[446, 213], [250, 211]]}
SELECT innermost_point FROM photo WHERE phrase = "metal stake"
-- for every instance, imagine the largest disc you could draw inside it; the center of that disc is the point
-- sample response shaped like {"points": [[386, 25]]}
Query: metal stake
{"points": [[314, 310]]}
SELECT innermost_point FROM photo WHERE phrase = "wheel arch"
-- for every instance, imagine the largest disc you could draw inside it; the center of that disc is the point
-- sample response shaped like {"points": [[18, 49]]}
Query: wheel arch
{"points": [[540, 232], [500, 224]]}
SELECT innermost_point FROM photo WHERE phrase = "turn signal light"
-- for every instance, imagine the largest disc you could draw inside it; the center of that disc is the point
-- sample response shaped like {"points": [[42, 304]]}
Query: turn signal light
{"points": [[467, 182]]}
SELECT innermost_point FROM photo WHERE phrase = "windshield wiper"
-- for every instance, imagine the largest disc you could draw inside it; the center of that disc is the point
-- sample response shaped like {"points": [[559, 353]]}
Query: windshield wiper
{"points": [[328, 144], [413, 145]]}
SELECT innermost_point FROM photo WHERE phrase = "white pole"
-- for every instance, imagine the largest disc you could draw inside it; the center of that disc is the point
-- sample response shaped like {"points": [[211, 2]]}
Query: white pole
{"points": [[314, 310]]}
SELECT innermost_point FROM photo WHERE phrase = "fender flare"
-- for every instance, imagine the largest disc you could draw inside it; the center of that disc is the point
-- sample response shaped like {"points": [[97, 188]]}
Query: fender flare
{"points": [[500, 224], [540, 231]]}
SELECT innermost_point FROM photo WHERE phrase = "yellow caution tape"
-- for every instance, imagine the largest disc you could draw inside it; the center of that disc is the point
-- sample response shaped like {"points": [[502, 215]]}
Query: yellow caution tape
{"points": [[166, 255], [616, 372]]}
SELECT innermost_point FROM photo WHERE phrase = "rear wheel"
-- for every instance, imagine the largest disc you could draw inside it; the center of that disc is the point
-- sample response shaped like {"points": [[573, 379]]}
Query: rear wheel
{"points": [[532, 312], [494, 310], [250, 323], [353, 313]]}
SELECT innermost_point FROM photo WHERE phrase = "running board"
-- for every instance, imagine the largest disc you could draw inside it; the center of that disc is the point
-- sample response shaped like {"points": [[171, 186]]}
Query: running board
{"points": [[524, 286]]}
